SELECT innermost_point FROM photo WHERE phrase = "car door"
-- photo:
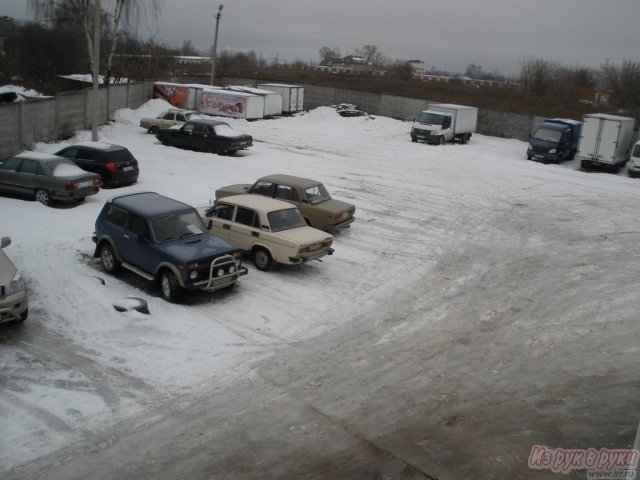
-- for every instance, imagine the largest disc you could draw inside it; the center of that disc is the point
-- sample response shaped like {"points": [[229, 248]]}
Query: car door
{"points": [[88, 160], [199, 137], [221, 215], [139, 244], [8, 174], [182, 137], [27, 176], [245, 228]]}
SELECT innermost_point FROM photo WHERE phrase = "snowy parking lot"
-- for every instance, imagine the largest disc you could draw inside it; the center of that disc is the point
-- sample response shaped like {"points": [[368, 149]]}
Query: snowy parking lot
{"points": [[479, 305]]}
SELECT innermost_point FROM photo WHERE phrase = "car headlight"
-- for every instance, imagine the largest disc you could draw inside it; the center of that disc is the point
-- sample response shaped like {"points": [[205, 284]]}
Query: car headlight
{"points": [[553, 150], [232, 269], [193, 275], [632, 163], [17, 284], [220, 272]]}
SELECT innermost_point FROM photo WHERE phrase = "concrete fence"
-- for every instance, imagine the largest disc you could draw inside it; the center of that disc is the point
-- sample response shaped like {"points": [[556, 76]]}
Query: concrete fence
{"points": [[55, 118]]}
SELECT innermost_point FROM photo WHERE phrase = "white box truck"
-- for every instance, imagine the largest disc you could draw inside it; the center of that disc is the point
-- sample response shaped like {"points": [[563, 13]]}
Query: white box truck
{"points": [[605, 140], [445, 122], [227, 103], [292, 95], [179, 95], [272, 100]]}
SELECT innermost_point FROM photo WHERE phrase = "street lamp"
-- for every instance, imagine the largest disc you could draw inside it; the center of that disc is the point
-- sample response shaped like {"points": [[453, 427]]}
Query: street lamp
{"points": [[215, 45]]}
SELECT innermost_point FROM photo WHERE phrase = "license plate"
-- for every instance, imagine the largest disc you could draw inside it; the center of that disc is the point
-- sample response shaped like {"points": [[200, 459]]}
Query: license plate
{"points": [[88, 183], [315, 247], [126, 169]]}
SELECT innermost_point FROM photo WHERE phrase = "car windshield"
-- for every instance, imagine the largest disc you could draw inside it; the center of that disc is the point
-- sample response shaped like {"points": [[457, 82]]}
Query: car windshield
{"points": [[285, 219], [64, 168], [547, 135], [317, 194], [225, 131], [177, 225], [430, 118]]}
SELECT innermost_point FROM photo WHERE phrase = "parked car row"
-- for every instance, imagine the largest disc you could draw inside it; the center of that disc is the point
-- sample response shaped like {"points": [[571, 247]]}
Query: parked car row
{"points": [[183, 248], [71, 174]]}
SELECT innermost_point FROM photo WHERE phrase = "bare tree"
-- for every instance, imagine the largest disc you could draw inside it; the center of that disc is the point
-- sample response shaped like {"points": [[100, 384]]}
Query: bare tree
{"points": [[126, 13], [624, 83], [327, 53], [537, 75]]}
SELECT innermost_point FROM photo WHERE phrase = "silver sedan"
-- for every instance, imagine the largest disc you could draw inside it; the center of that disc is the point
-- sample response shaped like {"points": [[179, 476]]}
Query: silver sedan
{"points": [[48, 178]]}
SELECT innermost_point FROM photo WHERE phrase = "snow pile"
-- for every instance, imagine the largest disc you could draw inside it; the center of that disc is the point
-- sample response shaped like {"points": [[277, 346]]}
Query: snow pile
{"points": [[18, 93]]}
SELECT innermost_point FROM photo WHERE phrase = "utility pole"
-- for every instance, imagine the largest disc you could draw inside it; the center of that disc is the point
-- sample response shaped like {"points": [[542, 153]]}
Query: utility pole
{"points": [[215, 45], [96, 72]]}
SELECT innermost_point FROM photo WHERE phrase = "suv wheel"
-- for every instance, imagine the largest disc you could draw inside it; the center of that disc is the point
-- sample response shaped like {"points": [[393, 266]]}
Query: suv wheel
{"points": [[108, 258], [169, 286]]}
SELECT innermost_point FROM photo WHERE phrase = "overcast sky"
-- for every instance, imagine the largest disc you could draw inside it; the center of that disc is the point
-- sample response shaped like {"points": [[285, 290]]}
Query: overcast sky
{"points": [[448, 34]]}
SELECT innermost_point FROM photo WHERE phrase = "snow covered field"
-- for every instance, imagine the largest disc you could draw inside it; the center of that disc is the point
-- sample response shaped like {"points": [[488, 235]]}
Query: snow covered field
{"points": [[494, 298]]}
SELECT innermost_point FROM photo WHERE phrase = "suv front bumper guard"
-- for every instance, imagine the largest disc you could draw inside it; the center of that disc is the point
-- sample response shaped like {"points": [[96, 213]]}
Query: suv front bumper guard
{"points": [[216, 282]]}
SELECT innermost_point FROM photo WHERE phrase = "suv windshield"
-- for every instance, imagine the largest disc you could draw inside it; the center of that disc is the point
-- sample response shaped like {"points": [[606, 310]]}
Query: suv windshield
{"points": [[431, 118], [285, 219], [317, 194], [177, 225]]}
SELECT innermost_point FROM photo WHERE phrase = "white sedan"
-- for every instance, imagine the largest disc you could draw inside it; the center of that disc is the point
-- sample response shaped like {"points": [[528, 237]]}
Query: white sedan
{"points": [[270, 230]]}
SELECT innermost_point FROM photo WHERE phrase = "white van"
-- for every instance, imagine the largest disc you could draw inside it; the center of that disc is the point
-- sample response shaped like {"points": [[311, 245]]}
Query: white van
{"points": [[633, 167], [14, 300]]}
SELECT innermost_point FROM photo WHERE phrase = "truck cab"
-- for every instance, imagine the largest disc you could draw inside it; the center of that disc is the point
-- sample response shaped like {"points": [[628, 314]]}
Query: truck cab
{"points": [[555, 140], [432, 127]]}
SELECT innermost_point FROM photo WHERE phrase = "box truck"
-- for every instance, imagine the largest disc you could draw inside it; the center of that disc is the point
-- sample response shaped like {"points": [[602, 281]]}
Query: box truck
{"points": [[554, 140], [179, 95], [272, 100], [445, 122], [227, 103], [633, 167], [292, 95], [605, 140]]}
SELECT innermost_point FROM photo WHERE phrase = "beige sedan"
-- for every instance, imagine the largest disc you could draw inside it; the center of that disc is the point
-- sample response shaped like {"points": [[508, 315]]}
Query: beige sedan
{"points": [[310, 196], [168, 119], [270, 230]]}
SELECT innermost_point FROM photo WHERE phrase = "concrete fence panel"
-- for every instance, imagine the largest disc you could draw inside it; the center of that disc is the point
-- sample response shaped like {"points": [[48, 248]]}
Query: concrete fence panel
{"points": [[401, 108], [9, 129], [72, 113], [38, 121]]}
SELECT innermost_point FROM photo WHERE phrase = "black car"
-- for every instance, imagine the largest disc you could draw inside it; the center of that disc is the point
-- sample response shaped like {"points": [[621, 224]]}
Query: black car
{"points": [[115, 164], [206, 135], [164, 240]]}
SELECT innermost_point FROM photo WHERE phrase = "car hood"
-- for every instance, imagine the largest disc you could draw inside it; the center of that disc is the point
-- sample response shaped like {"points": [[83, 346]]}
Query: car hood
{"points": [[7, 269], [239, 189], [305, 235], [333, 206], [196, 247]]}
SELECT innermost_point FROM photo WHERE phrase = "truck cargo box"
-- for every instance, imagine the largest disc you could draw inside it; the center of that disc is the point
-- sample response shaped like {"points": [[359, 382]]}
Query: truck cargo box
{"points": [[227, 103], [605, 140], [272, 100], [292, 95]]}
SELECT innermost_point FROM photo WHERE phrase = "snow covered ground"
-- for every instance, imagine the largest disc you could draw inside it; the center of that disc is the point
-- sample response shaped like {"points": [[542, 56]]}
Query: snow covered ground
{"points": [[518, 278]]}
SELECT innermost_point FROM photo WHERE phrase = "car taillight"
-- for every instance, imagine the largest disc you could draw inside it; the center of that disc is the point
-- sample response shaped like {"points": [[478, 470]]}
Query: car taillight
{"points": [[237, 253], [111, 167], [303, 249], [338, 218], [327, 243], [352, 212], [234, 144], [71, 186], [97, 182]]}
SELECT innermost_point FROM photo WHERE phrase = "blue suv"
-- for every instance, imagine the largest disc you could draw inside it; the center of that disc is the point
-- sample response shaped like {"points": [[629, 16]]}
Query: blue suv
{"points": [[164, 240]]}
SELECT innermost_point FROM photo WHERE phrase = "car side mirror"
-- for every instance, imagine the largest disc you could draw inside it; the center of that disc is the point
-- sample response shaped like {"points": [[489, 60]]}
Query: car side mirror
{"points": [[5, 242]]}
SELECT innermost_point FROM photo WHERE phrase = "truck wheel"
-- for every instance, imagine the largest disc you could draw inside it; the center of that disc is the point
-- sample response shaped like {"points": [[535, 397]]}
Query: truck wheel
{"points": [[108, 258], [262, 259], [464, 139], [441, 140], [169, 286]]}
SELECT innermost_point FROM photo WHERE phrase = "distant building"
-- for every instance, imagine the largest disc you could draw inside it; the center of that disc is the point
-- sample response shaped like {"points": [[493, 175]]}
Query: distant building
{"points": [[418, 66], [351, 62]]}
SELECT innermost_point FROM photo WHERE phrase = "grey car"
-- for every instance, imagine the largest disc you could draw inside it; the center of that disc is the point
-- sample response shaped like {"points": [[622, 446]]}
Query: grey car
{"points": [[48, 178]]}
